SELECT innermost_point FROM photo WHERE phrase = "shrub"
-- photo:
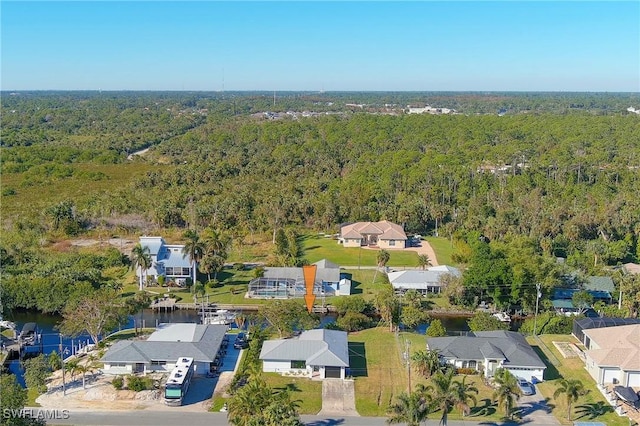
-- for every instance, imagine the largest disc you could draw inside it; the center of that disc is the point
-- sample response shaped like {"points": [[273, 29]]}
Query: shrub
{"points": [[117, 382], [161, 280], [467, 371], [214, 284], [436, 329], [353, 321], [138, 384], [238, 266]]}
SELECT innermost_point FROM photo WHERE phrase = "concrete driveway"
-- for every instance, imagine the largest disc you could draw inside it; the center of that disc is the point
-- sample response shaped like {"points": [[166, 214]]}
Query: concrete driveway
{"points": [[338, 398], [534, 409]]}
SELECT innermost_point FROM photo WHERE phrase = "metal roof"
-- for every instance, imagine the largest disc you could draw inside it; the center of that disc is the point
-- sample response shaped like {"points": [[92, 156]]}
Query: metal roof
{"points": [[316, 347], [202, 344]]}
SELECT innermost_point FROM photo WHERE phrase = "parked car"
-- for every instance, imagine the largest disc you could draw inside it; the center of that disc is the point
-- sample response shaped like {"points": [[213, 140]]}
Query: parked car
{"points": [[241, 341], [525, 387]]}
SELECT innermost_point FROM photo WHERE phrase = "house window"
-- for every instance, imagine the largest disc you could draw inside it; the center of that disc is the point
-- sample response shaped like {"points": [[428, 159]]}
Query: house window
{"points": [[158, 362], [186, 271], [169, 270], [473, 364], [392, 243], [298, 364], [118, 364]]}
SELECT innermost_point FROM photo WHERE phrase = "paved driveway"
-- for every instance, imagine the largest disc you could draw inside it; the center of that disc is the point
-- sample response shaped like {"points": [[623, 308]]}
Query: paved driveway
{"points": [[534, 409]]}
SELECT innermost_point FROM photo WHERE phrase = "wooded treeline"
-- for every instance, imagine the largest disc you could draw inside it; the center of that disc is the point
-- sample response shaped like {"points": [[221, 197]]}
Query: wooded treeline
{"points": [[566, 182]]}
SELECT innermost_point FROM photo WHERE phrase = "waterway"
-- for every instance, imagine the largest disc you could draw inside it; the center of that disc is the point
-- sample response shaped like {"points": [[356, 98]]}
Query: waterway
{"points": [[51, 338]]}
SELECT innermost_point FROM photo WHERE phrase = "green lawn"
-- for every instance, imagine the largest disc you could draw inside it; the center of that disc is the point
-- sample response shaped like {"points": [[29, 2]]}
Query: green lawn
{"points": [[317, 248], [377, 369], [307, 392], [443, 249], [571, 368], [377, 365]]}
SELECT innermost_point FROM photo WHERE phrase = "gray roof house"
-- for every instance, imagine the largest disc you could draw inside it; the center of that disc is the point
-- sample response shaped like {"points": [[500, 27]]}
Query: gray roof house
{"points": [[285, 282], [163, 348], [317, 354], [487, 351], [424, 281]]}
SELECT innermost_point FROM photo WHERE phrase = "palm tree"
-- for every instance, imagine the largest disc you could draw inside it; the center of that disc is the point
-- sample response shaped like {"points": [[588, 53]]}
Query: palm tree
{"points": [[449, 393], [507, 392], [464, 392], [427, 362], [141, 258], [382, 259], [573, 389], [216, 246], [249, 401], [194, 248], [411, 409], [424, 261]]}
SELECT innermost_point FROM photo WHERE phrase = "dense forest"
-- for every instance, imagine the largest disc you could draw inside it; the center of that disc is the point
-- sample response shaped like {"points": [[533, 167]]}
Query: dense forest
{"points": [[555, 173]]}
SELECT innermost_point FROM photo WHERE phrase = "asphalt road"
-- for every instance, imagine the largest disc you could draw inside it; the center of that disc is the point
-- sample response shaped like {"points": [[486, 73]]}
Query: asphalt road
{"points": [[152, 418]]}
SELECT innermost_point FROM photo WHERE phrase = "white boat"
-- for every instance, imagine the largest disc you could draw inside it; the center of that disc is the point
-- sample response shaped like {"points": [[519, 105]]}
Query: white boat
{"points": [[502, 316], [8, 324], [221, 316]]}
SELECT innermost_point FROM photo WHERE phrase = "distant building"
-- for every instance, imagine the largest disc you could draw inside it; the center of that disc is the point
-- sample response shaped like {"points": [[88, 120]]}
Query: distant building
{"points": [[423, 281], [167, 260], [383, 234], [288, 282]]}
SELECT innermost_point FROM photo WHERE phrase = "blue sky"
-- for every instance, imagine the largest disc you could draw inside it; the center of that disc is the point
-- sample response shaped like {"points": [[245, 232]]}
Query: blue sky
{"points": [[332, 45]]}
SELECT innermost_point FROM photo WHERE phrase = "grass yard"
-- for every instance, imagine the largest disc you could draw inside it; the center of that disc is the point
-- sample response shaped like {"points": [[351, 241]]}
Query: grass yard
{"points": [[317, 248], [308, 393], [572, 368], [443, 249], [377, 369]]}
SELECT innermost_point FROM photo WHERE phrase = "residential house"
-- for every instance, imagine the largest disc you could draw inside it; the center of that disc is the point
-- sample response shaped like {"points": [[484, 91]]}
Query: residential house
{"points": [[613, 355], [317, 354], [486, 351], [383, 234], [424, 281], [160, 352], [285, 282], [601, 288], [582, 324], [168, 260]]}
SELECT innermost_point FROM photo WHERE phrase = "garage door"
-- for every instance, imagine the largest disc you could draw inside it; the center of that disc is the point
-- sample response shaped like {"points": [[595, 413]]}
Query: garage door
{"points": [[610, 374], [525, 374], [332, 372], [634, 380]]}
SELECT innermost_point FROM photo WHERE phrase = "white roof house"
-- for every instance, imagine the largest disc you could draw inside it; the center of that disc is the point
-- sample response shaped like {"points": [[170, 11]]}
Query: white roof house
{"points": [[317, 354], [424, 281], [167, 259]]}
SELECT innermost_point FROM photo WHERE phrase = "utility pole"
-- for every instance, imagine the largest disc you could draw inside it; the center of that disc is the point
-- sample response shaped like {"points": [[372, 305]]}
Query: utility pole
{"points": [[407, 357], [535, 318], [64, 390]]}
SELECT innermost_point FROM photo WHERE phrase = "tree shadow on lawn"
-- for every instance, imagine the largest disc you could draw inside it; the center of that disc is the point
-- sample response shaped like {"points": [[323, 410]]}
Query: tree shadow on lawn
{"points": [[593, 410], [487, 409], [528, 408], [551, 372], [289, 387], [357, 360], [326, 422]]}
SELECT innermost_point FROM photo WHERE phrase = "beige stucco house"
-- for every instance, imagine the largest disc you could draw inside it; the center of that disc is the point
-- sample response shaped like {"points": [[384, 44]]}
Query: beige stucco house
{"points": [[613, 355], [383, 234]]}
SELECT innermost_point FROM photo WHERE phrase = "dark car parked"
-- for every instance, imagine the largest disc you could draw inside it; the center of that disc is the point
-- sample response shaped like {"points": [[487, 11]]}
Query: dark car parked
{"points": [[241, 341]]}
